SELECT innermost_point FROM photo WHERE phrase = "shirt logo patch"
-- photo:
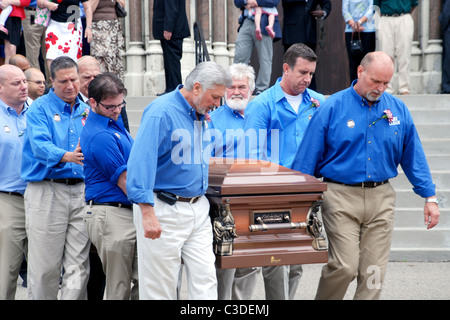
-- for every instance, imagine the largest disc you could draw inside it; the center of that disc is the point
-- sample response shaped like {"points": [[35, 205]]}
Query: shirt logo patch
{"points": [[7, 129], [394, 122], [350, 124], [57, 117]]}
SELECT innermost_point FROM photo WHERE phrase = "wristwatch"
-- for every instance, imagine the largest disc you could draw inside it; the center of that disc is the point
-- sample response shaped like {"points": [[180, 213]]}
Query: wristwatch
{"points": [[435, 200]]}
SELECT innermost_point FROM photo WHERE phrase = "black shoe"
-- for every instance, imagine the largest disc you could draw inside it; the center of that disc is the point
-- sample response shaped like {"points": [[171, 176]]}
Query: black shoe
{"points": [[161, 94]]}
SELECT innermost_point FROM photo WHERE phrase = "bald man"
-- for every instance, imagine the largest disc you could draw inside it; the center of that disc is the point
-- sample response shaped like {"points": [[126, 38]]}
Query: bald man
{"points": [[20, 61], [89, 67], [36, 84], [13, 240], [355, 141]]}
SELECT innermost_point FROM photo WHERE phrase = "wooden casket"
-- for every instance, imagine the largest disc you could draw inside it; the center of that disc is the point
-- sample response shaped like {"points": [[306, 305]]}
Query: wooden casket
{"points": [[264, 214]]}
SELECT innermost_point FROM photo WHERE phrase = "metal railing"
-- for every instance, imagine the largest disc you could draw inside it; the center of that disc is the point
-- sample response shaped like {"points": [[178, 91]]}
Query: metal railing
{"points": [[201, 51]]}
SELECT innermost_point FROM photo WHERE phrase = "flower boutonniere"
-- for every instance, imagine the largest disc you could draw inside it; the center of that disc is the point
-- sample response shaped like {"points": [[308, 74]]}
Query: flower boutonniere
{"points": [[84, 116], [206, 120], [314, 104], [387, 115]]}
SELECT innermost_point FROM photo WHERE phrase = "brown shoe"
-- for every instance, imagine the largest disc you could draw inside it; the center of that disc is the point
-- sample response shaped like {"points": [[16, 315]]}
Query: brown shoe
{"points": [[404, 93]]}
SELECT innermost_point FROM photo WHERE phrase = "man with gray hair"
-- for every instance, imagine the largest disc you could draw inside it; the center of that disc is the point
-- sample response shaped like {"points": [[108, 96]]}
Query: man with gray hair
{"points": [[236, 284], [52, 164], [167, 177]]}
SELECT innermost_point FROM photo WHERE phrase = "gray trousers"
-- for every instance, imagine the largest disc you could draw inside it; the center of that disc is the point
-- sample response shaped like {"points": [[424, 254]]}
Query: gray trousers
{"points": [[236, 284], [281, 282], [245, 43]]}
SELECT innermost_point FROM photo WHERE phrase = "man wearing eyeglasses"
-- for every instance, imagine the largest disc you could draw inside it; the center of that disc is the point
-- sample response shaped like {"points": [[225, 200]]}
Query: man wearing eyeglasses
{"points": [[106, 145], [36, 84], [52, 164]]}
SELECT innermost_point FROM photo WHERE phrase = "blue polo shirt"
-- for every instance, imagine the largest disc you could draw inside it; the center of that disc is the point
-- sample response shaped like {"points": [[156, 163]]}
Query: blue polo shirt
{"points": [[52, 130], [342, 143], [279, 129], [12, 128], [167, 154], [230, 123], [106, 146]]}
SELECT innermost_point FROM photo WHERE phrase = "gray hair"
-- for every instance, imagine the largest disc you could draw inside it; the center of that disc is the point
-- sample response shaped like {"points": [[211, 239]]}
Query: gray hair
{"points": [[62, 62], [209, 74], [240, 71]]}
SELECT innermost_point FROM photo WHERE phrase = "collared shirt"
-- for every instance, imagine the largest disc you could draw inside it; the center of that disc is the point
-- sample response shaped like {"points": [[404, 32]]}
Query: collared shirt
{"points": [[52, 130], [342, 143], [12, 128], [106, 146], [279, 129], [230, 124], [167, 154], [390, 7]]}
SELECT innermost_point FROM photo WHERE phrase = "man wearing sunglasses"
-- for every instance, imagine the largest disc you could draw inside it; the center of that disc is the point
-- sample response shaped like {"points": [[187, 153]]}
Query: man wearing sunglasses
{"points": [[106, 145]]}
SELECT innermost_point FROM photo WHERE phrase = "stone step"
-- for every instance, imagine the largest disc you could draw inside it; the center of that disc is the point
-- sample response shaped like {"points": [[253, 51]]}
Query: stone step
{"points": [[409, 199], [440, 178], [433, 131], [414, 218]]}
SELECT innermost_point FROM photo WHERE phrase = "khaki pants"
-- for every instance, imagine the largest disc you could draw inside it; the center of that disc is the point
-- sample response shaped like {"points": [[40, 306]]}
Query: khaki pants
{"points": [[359, 224], [13, 243], [394, 37], [112, 232], [57, 238]]}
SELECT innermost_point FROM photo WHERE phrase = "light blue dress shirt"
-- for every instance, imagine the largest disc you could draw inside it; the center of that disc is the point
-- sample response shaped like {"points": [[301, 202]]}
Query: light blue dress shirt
{"points": [[342, 143], [52, 130], [356, 9], [230, 123], [279, 129], [12, 128], [167, 154]]}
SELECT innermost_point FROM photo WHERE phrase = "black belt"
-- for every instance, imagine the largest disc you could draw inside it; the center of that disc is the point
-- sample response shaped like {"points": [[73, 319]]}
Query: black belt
{"points": [[369, 184], [394, 14], [30, 8], [13, 193], [69, 181], [111, 204], [171, 198]]}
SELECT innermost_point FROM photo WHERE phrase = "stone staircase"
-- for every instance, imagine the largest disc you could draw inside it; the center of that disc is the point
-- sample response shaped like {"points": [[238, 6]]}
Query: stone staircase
{"points": [[411, 240]]}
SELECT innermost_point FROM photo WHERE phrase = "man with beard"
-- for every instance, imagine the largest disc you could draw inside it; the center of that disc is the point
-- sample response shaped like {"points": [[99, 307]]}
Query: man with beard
{"points": [[236, 284], [356, 141], [283, 112], [168, 177]]}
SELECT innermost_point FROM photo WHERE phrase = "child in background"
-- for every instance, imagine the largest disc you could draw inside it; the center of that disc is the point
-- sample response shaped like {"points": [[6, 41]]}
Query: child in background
{"points": [[3, 17], [271, 13]]}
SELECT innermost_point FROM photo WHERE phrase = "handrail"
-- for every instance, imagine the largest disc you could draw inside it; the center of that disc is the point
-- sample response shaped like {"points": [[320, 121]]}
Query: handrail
{"points": [[201, 51]]}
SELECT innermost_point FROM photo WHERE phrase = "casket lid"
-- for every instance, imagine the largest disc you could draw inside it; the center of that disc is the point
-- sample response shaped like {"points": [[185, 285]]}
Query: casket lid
{"points": [[245, 176]]}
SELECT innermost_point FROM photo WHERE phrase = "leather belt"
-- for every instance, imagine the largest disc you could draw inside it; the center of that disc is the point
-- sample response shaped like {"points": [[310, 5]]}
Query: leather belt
{"points": [[394, 14], [111, 204], [171, 198], [190, 200], [68, 181], [13, 193], [369, 184]]}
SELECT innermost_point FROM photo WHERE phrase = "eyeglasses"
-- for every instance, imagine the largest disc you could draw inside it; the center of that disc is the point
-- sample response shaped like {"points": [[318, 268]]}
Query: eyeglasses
{"points": [[40, 83], [113, 107]]}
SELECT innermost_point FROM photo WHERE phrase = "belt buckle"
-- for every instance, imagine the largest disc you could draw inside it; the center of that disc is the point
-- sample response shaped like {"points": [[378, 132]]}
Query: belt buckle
{"points": [[193, 200]]}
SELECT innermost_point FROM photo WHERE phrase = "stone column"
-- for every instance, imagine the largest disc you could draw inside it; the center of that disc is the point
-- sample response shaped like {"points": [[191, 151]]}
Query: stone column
{"points": [[134, 55], [154, 81], [432, 62], [232, 27], [203, 19], [188, 59], [219, 32]]}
